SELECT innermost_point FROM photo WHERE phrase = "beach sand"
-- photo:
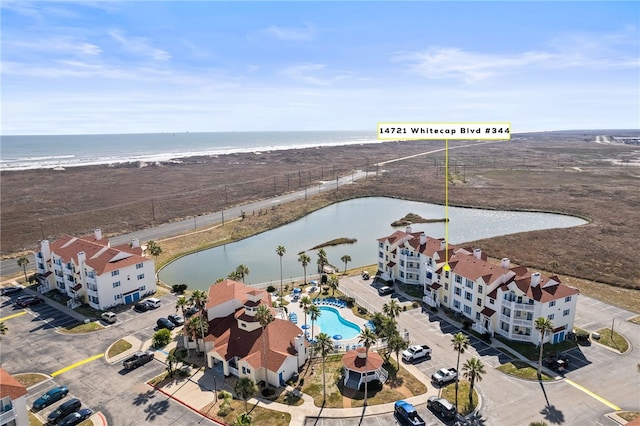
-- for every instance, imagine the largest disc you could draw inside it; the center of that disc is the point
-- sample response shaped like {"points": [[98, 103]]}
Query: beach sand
{"points": [[537, 173]]}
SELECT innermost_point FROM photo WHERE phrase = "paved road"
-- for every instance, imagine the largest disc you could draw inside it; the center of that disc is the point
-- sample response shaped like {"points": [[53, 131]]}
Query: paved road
{"points": [[597, 376]]}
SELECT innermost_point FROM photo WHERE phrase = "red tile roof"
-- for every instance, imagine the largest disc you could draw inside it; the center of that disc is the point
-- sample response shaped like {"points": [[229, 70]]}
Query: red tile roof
{"points": [[227, 290], [353, 362], [9, 386]]}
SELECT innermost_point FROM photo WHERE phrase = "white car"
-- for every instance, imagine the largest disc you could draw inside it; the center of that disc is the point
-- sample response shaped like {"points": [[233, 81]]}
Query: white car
{"points": [[109, 317]]}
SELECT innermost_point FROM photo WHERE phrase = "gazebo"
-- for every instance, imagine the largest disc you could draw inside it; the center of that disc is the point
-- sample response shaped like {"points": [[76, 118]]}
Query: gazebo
{"points": [[357, 368]]}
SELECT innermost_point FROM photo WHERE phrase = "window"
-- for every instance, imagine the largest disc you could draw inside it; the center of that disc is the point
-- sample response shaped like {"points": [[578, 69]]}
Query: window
{"points": [[468, 296], [477, 316], [566, 312], [139, 265], [142, 288], [479, 301], [380, 245], [402, 263], [116, 284], [457, 291], [401, 274], [430, 262], [550, 316], [480, 289], [469, 284], [446, 274], [446, 286], [491, 301], [456, 304], [94, 299], [445, 299], [141, 277], [506, 312], [467, 310], [380, 254], [114, 273], [567, 299], [458, 279], [117, 296], [91, 274], [552, 303]]}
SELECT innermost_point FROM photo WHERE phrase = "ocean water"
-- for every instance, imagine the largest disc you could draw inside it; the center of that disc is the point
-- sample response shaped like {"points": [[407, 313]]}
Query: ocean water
{"points": [[51, 151]]}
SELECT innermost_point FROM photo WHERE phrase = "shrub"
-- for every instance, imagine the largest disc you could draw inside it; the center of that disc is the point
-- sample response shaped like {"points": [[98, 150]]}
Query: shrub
{"points": [[271, 289], [179, 288], [434, 309], [268, 392], [161, 338], [466, 324]]}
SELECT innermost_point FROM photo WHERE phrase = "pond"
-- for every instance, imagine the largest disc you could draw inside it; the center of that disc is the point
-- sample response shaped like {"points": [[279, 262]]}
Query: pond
{"points": [[365, 219]]}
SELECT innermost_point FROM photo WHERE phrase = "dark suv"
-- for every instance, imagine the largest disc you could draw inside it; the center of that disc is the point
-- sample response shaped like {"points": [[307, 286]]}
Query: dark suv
{"points": [[165, 323], [141, 307], [63, 410], [441, 406], [407, 414]]}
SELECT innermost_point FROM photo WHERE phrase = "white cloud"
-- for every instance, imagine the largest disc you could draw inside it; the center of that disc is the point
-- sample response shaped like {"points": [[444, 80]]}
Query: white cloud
{"points": [[290, 33], [65, 45], [139, 45]]}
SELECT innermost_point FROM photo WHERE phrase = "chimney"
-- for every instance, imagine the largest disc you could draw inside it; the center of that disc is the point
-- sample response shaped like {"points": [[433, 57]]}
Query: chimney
{"points": [[443, 244], [98, 234], [423, 239], [505, 262], [82, 258], [135, 243], [45, 249], [408, 230], [535, 279], [477, 253]]}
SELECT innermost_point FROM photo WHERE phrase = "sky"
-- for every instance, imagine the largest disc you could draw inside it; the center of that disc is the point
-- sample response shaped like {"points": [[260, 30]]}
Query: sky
{"points": [[144, 67]]}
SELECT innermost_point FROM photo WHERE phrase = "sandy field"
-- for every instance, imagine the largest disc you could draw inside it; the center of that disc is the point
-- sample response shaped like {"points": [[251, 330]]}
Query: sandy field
{"points": [[564, 172]]}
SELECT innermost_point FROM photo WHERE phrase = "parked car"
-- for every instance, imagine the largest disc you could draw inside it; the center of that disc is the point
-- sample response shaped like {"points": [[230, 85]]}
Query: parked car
{"points": [[137, 359], [11, 290], [153, 303], [165, 323], [444, 375], [442, 407], [416, 353], [191, 312], [382, 291], [64, 410], [141, 307], [407, 414], [32, 300], [109, 317], [176, 319], [76, 418], [50, 396]]}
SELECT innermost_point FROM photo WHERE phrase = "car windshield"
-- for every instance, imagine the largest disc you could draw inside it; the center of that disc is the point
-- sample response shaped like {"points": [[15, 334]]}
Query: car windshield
{"points": [[442, 372]]}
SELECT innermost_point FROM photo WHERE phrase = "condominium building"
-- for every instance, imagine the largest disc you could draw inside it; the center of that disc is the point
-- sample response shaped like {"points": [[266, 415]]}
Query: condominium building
{"points": [[13, 401], [495, 297], [88, 270]]}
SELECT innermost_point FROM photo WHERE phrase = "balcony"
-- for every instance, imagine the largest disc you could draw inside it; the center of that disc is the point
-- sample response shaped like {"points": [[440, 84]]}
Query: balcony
{"points": [[518, 306], [515, 321], [7, 414]]}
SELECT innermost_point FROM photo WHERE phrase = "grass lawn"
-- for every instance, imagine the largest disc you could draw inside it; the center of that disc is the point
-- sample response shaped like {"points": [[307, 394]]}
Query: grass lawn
{"points": [[397, 387], [33, 420], [83, 328], [449, 393], [261, 416], [613, 340], [522, 370], [30, 379], [635, 320], [630, 415], [118, 347], [531, 351]]}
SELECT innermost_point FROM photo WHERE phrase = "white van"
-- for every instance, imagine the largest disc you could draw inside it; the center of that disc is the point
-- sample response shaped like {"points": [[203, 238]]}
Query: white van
{"points": [[153, 302]]}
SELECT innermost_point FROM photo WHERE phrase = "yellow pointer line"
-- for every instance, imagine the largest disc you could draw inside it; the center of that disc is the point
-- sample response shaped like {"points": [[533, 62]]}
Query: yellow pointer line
{"points": [[13, 316], [446, 204], [77, 364], [593, 395]]}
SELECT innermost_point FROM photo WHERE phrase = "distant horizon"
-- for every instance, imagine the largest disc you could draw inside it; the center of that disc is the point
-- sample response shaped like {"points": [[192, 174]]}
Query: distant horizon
{"points": [[373, 131]]}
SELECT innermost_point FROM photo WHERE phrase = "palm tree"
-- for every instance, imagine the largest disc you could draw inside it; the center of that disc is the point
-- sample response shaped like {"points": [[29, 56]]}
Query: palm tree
{"points": [[314, 314], [473, 370], [23, 262], [242, 271], [199, 299], [334, 282], [324, 345], [391, 309], [243, 419], [154, 250], [245, 388], [233, 275], [304, 259], [264, 317], [3, 328], [280, 251], [346, 258], [198, 328], [543, 325], [367, 338], [183, 304], [460, 343], [171, 361], [397, 344], [554, 265], [322, 259], [305, 303]]}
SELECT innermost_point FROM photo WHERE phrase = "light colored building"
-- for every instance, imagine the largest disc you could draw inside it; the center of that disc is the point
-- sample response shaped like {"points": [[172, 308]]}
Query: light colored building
{"points": [[89, 270], [13, 401], [235, 338], [496, 298]]}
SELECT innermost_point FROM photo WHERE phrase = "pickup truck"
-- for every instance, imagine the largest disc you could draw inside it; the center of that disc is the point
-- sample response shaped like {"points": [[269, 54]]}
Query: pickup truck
{"points": [[444, 375], [137, 359], [416, 352], [407, 414]]}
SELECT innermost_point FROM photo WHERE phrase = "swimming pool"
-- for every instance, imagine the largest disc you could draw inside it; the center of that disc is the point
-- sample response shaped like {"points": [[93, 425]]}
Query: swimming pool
{"points": [[332, 323]]}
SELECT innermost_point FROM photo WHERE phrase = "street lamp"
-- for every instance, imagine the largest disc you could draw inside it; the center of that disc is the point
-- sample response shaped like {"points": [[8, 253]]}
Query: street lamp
{"points": [[41, 228]]}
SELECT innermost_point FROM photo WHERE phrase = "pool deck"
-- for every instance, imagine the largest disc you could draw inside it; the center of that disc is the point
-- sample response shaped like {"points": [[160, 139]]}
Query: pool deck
{"points": [[346, 313]]}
